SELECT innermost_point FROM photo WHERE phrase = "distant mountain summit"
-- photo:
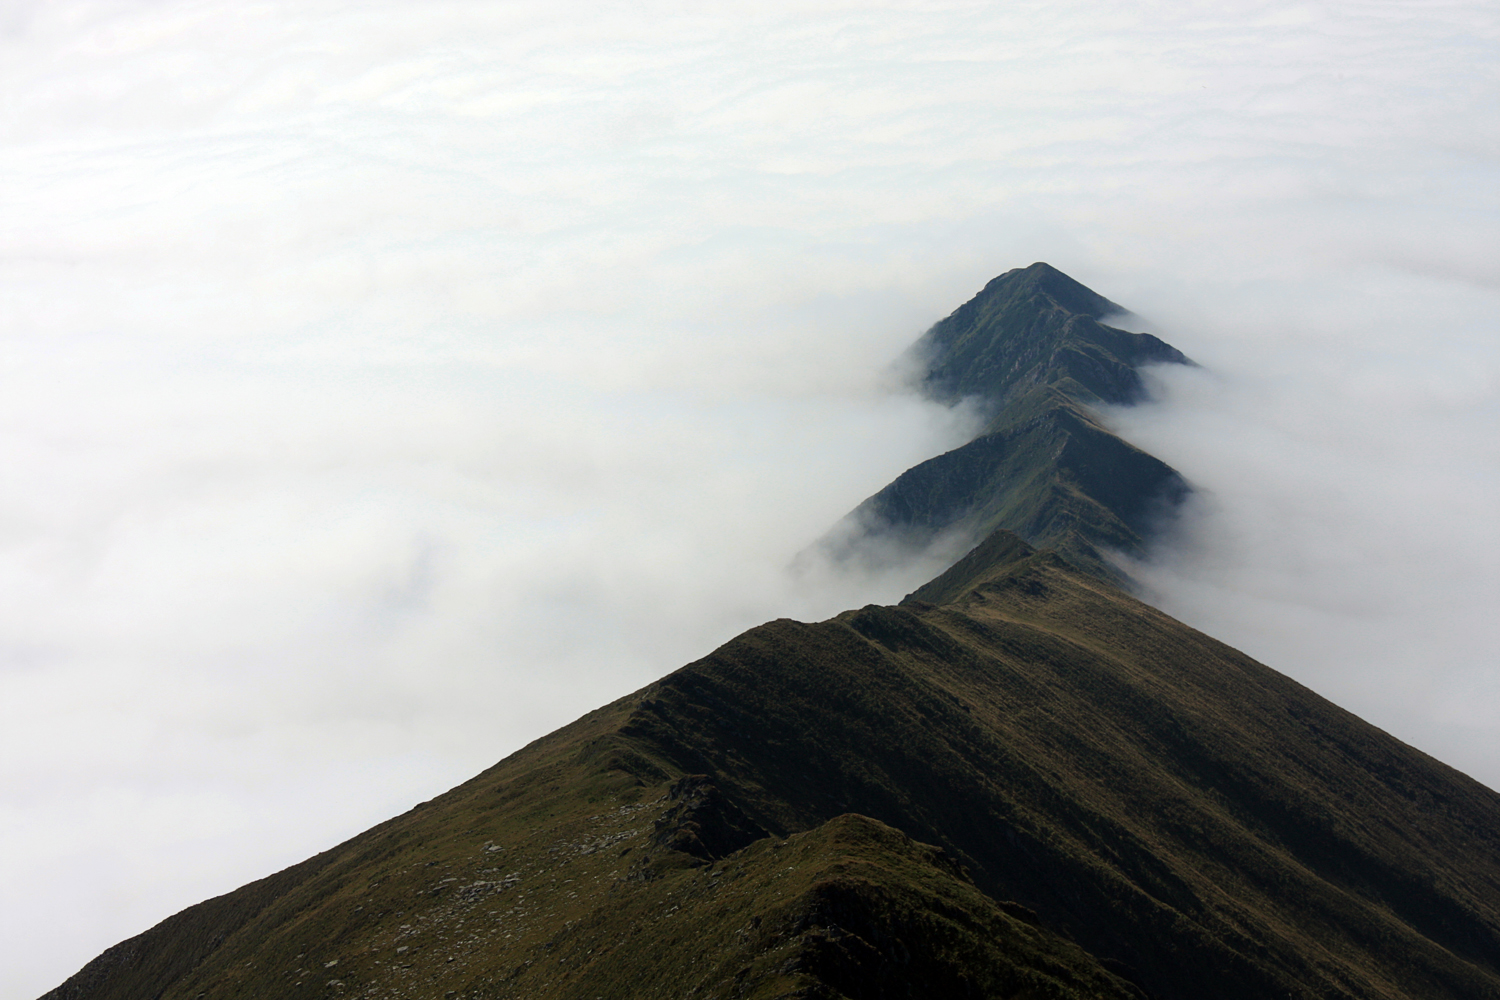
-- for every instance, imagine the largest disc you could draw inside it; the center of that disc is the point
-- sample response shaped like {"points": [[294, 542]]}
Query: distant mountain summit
{"points": [[1021, 783], [1030, 352], [1036, 327]]}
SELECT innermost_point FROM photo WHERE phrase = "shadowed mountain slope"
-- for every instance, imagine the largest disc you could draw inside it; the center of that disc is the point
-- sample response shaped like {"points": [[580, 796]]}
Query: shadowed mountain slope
{"points": [[1030, 352], [1117, 806]]}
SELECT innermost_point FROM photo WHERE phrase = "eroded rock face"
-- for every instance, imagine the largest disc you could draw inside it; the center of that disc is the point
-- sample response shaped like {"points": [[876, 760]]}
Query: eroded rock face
{"points": [[703, 822]]}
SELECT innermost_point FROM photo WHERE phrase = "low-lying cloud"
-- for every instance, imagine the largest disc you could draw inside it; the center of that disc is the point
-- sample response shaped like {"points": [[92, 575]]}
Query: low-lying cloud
{"points": [[1348, 462], [382, 385]]}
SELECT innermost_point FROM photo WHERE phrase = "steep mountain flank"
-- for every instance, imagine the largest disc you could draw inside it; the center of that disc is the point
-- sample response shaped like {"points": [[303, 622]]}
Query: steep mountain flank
{"points": [[1029, 350], [1209, 825], [1117, 806]]}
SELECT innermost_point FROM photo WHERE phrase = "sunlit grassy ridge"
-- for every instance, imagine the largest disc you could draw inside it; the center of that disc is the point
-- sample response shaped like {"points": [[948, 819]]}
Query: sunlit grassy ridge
{"points": [[1117, 804], [1167, 801]]}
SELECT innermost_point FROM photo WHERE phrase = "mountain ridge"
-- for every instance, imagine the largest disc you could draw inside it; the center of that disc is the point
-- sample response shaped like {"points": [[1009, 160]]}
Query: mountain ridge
{"points": [[1029, 352], [1088, 765], [1020, 782]]}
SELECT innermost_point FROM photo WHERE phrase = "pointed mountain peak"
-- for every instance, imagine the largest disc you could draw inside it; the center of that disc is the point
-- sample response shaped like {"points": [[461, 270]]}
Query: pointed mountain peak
{"points": [[997, 556], [1030, 327], [1029, 351], [1042, 279]]}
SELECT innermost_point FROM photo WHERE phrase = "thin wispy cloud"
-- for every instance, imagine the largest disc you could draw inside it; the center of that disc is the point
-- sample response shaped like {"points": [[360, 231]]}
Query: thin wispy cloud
{"points": [[382, 385]]}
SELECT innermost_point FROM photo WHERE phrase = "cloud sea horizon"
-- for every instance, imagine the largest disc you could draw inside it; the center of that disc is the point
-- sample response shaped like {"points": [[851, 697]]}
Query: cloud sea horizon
{"points": [[387, 384]]}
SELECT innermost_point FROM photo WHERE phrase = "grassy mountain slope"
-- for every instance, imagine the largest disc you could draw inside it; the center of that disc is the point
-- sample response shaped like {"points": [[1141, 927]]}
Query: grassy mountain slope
{"points": [[581, 867], [1030, 351], [1117, 805]]}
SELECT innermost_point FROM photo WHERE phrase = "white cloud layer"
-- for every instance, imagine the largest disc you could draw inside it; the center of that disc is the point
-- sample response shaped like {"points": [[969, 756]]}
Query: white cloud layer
{"points": [[1347, 439], [384, 384]]}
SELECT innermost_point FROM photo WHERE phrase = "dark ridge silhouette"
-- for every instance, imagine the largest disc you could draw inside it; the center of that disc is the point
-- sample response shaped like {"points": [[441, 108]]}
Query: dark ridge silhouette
{"points": [[1029, 350]]}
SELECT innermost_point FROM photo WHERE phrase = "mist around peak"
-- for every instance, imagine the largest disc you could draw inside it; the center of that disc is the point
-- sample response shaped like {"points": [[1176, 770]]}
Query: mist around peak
{"points": [[352, 355]]}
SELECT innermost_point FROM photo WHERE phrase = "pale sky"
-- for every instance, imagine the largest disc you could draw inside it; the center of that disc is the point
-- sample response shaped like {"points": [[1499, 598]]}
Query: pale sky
{"points": [[383, 385]]}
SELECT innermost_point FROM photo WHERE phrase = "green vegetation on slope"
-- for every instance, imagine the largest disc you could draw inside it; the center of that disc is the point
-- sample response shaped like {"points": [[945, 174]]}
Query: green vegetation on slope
{"points": [[1120, 806], [1209, 825], [562, 873]]}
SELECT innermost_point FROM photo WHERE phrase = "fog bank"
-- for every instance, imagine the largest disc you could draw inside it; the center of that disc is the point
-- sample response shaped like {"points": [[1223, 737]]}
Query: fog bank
{"points": [[1345, 441], [385, 384]]}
